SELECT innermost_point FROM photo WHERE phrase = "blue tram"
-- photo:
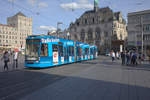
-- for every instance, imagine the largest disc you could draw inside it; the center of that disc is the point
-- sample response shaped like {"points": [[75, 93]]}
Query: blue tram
{"points": [[47, 51]]}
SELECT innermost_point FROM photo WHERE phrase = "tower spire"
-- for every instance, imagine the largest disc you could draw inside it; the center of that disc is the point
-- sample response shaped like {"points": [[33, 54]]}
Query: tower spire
{"points": [[95, 5]]}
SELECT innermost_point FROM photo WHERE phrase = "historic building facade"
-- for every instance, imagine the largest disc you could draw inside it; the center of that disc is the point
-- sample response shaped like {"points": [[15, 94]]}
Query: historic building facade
{"points": [[138, 27], [14, 33], [100, 27]]}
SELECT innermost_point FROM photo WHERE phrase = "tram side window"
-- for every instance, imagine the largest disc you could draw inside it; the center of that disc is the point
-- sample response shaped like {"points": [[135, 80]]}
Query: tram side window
{"points": [[61, 51], [55, 48], [72, 50], [86, 51], [91, 51], [44, 50], [66, 54], [83, 52], [80, 51]]}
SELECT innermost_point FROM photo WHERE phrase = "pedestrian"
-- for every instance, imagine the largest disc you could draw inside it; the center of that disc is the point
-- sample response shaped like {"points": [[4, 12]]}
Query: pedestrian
{"points": [[15, 59], [117, 55], [113, 55], [139, 58], [128, 58], [6, 59], [123, 57], [134, 59], [149, 59]]}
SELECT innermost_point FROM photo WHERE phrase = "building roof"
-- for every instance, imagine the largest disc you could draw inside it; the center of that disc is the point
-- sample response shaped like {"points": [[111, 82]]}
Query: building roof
{"points": [[99, 10], [139, 12], [20, 14]]}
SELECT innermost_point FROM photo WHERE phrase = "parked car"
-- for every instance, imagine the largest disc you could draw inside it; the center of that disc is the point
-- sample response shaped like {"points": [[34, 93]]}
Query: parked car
{"points": [[107, 54]]}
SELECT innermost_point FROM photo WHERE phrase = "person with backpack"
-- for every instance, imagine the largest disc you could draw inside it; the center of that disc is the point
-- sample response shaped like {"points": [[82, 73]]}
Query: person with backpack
{"points": [[134, 58], [6, 60]]}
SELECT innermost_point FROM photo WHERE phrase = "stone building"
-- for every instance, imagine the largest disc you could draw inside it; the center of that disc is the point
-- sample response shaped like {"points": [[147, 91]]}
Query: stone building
{"points": [[138, 24], [14, 33], [99, 27]]}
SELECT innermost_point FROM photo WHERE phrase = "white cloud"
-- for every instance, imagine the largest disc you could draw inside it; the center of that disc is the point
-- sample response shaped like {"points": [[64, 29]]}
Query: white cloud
{"points": [[47, 28], [83, 1], [32, 2], [81, 4], [11, 0], [42, 4]]}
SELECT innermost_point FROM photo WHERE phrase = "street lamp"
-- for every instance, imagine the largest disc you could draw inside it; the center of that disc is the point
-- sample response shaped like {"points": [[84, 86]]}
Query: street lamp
{"points": [[142, 33], [68, 34], [58, 23]]}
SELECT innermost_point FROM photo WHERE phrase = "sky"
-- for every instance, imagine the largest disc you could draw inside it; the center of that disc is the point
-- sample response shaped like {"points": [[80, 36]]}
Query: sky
{"points": [[47, 13]]}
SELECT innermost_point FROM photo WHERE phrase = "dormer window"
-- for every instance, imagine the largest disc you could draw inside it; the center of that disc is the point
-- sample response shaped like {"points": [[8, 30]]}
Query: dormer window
{"points": [[93, 20], [78, 23], [85, 21]]}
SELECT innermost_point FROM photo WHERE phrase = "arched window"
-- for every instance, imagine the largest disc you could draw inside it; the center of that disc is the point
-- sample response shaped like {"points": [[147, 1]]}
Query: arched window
{"points": [[75, 37], [90, 34], [82, 35], [98, 33]]}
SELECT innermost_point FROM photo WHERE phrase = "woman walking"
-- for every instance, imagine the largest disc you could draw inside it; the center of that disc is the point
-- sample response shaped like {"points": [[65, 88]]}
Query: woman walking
{"points": [[6, 59]]}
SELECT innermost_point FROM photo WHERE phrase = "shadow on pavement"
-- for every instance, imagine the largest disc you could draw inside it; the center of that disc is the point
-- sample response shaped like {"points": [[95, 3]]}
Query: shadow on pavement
{"points": [[18, 85]]}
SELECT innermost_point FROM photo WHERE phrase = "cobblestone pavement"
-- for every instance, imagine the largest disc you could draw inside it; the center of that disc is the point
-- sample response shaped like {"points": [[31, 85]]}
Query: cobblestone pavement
{"points": [[98, 79]]}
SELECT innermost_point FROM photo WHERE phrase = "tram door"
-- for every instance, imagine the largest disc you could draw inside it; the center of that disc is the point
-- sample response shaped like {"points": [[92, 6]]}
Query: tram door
{"points": [[61, 55], [55, 54], [75, 53], [66, 54]]}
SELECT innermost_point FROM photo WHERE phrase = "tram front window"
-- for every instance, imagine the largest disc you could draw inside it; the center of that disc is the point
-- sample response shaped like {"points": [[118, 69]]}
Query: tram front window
{"points": [[44, 50], [32, 51]]}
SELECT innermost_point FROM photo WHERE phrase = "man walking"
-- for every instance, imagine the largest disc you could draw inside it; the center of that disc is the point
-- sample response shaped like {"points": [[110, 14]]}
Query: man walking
{"points": [[123, 57], [15, 59], [113, 55]]}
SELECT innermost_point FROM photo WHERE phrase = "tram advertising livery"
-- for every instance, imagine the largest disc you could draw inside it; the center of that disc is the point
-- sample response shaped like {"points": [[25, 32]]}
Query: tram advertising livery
{"points": [[47, 51]]}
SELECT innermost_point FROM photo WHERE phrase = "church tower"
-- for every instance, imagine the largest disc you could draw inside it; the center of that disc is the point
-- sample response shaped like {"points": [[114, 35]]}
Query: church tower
{"points": [[96, 5]]}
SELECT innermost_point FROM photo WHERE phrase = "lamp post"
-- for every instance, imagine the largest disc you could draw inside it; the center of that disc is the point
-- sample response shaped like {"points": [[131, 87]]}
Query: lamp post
{"points": [[142, 46], [68, 34]]}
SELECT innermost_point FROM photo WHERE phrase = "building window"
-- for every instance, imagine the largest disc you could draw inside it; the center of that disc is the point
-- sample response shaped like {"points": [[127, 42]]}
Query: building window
{"points": [[97, 33], [85, 21], [90, 34], [78, 23], [146, 27], [106, 34], [75, 29], [82, 35], [93, 20], [121, 37], [75, 36]]}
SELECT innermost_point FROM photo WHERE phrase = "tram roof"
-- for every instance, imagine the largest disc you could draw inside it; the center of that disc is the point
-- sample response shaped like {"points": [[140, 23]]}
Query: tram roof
{"points": [[52, 37]]}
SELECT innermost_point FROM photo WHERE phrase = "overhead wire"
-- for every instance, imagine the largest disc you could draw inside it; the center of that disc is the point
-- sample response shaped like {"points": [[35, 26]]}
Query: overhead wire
{"points": [[29, 10]]}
